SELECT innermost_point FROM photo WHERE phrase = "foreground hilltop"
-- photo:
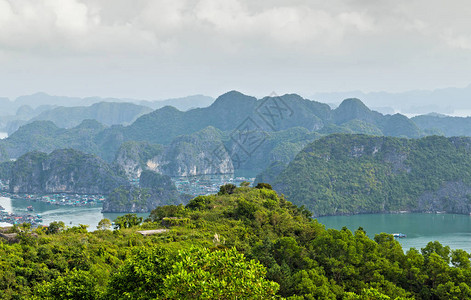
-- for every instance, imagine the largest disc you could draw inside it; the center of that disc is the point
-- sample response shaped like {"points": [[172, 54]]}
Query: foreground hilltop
{"points": [[349, 174], [272, 247]]}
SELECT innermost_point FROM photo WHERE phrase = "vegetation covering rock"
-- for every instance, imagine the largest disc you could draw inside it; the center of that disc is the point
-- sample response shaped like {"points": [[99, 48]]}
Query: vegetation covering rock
{"points": [[348, 174], [62, 171]]}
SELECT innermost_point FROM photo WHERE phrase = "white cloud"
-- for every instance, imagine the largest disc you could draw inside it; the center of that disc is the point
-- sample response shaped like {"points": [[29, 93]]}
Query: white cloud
{"points": [[61, 22], [342, 44]]}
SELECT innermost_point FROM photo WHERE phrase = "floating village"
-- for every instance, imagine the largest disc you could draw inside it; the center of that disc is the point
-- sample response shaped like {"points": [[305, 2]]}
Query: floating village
{"points": [[195, 186], [53, 199], [59, 199], [11, 218]]}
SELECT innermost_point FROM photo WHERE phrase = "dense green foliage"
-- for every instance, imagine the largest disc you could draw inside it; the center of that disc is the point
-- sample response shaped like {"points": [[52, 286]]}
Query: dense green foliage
{"points": [[227, 189], [127, 221], [249, 244], [344, 174]]}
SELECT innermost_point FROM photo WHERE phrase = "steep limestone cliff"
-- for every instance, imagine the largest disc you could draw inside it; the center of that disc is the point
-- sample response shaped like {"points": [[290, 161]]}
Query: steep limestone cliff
{"points": [[63, 171], [198, 154], [132, 157]]}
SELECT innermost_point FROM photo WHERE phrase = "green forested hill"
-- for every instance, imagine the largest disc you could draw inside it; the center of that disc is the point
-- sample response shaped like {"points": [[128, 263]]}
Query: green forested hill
{"points": [[347, 174], [442, 124], [245, 243], [45, 136]]}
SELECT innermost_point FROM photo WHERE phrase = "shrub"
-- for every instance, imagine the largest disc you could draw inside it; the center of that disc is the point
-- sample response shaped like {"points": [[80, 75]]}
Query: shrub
{"points": [[198, 203], [263, 185], [175, 221], [227, 189]]}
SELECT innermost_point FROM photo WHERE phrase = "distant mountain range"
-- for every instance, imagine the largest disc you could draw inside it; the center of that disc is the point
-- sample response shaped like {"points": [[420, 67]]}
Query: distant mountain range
{"points": [[452, 101], [107, 113], [67, 112], [236, 132], [8, 107]]}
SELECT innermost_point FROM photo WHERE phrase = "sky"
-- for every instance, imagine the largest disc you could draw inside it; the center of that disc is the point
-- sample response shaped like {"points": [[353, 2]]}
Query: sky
{"points": [[157, 49]]}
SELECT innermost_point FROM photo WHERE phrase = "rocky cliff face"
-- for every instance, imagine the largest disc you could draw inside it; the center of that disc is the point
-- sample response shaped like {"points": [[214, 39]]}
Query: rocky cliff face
{"points": [[155, 190], [132, 157], [198, 154], [63, 171]]}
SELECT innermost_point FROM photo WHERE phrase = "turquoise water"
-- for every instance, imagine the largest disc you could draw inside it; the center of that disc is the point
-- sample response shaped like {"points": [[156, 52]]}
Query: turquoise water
{"points": [[448, 229], [70, 215]]}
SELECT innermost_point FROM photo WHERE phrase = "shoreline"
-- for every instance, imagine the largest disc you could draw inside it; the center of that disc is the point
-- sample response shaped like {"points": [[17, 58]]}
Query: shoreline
{"points": [[402, 212]]}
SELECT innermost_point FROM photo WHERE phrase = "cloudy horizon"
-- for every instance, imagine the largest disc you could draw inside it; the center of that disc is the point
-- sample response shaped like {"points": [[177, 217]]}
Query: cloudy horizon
{"points": [[148, 49]]}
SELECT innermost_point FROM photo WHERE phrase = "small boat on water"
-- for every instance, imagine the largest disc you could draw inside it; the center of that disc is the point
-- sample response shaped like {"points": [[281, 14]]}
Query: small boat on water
{"points": [[399, 235], [30, 208], [2, 208]]}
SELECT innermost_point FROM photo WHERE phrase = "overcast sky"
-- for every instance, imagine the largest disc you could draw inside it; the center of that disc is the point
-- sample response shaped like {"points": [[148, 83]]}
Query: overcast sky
{"points": [[153, 49]]}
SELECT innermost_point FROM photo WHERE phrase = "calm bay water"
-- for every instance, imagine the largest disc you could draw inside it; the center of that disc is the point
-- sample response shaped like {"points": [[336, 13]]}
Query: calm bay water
{"points": [[70, 215], [448, 229]]}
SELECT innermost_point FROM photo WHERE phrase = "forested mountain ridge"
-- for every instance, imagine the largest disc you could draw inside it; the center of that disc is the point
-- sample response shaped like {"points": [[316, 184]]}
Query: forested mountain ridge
{"points": [[273, 247], [278, 128], [37, 100], [348, 174], [45, 136], [230, 110]]}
